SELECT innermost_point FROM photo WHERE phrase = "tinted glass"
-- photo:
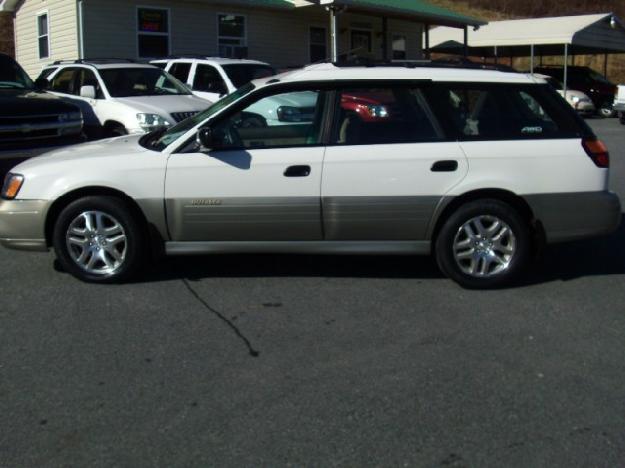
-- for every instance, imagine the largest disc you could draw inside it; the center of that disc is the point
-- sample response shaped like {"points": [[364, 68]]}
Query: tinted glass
{"points": [[231, 25], [281, 120], [385, 116], [46, 72], [88, 78], [63, 82], [180, 70], [243, 74], [12, 75], [500, 112], [126, 82], [152, 20], [170, 136], [208, 79]]}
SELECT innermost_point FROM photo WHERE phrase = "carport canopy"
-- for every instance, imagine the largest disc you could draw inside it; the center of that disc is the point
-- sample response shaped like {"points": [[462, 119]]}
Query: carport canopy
{"points": [[583, 34], [563, 35]]}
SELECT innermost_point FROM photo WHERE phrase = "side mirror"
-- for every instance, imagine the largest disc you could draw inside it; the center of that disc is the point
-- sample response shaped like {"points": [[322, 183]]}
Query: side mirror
{"points": [[88, 92], [42, 83], [205, 138]]}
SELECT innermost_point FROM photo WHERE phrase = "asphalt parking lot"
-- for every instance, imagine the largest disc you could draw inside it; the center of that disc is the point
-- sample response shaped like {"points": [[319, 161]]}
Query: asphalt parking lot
{"points": [[321, 361]]}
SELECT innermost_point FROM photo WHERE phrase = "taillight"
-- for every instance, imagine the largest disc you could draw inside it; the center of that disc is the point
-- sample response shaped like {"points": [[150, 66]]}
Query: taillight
{"points": [[597, 151]]}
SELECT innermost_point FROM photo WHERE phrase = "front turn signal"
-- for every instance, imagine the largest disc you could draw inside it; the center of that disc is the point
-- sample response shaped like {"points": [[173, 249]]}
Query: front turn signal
{"points": [[12, 185]]}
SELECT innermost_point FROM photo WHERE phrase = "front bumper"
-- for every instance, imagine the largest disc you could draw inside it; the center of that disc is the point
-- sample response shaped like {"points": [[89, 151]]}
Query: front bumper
{"points": [[571, 216], [22, 224]]}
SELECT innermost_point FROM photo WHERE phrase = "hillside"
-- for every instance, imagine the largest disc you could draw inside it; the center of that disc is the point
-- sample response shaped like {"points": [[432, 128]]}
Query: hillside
{"points": [[509, 9]]}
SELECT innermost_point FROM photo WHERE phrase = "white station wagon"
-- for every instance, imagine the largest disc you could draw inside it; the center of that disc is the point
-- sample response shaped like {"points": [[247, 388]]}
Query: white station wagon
{"points": [[476, 167]]}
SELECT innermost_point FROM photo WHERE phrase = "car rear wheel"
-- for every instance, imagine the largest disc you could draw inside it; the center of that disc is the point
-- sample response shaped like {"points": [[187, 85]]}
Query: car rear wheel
{"points": [[484, 244], [97, 239]]}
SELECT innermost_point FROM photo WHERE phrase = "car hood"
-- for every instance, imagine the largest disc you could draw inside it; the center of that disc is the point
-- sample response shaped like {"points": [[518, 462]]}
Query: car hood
{"points": [[165, 104], [28, 102], [571, 93], [112, 148]]}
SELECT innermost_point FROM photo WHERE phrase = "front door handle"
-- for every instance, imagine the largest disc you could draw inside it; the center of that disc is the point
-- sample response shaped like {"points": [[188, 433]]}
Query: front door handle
{"points": [[297, 171], [445, 166]]}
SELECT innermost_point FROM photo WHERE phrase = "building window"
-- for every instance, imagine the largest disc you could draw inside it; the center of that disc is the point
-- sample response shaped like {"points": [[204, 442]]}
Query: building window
{"points": [[232, 35], [153, 32], [318, 45], [399, 47], [43, 35], [361, 42]]}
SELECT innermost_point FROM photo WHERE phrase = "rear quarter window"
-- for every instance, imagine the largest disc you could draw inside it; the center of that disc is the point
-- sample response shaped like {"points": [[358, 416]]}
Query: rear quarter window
{"points": [[504, 112]]}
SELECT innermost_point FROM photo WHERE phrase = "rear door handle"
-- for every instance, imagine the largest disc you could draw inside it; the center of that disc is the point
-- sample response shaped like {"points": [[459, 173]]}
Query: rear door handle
{"points": [[297, 171], [445, 166]]}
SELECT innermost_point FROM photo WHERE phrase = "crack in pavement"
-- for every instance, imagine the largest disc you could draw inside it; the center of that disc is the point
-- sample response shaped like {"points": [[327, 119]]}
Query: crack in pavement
{"points": [[224, 319]]}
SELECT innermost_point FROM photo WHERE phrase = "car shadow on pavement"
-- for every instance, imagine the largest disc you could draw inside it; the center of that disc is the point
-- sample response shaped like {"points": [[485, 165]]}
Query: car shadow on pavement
{"points": [[559, 262]]}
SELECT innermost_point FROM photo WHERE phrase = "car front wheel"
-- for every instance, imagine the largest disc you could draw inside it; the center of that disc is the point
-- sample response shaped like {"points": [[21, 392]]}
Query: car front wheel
{"points": [[484, 244], [97, 239]]}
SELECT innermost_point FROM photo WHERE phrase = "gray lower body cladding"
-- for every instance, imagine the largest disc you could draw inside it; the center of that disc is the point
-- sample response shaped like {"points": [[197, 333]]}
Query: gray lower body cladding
{"points": [[571, 216]]}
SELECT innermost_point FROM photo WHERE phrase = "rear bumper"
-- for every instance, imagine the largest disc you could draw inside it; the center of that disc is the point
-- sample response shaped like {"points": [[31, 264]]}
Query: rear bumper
{"points": [[571, 216], [22, 224]]}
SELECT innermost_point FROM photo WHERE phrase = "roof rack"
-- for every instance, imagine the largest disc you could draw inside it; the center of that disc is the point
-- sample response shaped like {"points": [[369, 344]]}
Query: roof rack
{"points": [[95, 61], [437, 63]]}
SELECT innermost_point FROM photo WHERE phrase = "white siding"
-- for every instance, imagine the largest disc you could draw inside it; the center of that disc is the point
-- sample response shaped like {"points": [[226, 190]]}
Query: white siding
{"points": [[277, 37], [63, 31]]}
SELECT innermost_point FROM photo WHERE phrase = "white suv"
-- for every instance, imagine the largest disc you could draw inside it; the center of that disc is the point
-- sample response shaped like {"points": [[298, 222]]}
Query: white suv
{"points": [[212, 78], [476, 167], [122, 97]]}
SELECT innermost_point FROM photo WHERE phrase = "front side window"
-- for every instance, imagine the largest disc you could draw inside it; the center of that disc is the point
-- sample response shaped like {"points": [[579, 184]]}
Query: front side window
{"points": [[181, 70], [160, 141], [208, 80], [87, 78], [232, 35], [153, 32], [140, 81], [63, 82], [280, 120], [500, 112], [370, 116], [43, 35], [318, 45]]}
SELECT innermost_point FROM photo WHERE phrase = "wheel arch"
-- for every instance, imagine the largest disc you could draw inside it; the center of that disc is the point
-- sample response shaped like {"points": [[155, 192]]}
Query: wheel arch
{"points": [[449, 205], [60, 203]]}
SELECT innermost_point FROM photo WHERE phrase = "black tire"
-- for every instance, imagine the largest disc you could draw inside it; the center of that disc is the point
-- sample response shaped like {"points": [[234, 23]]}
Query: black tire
{"points": [[444, 244], [134, 245]]}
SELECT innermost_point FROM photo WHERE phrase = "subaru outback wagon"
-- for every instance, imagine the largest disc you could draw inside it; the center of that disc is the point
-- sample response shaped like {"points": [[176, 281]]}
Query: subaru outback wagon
{"points": [[476, 167]]}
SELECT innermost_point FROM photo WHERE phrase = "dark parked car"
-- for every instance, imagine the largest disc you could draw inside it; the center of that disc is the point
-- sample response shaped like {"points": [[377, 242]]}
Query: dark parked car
{"points": [[596, 86], [31, 118]]}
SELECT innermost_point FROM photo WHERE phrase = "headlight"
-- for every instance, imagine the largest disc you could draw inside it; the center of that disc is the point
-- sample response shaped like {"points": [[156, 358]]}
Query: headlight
{"points": [[150, 122], [12, 185], [575, 99]]}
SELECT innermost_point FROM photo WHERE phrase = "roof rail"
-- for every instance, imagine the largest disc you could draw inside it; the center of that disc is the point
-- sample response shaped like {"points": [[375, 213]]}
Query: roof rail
{"points": [[95, 61], [438, 63]]}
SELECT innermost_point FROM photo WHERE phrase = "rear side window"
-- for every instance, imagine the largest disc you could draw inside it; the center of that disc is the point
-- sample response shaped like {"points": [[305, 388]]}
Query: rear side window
{"points": [[180, 70], [385, 115], [504, 112]]}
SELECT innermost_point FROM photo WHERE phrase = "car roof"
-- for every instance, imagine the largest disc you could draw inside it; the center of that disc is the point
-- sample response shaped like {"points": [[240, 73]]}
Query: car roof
{"points": [[332, 72], [218, 60]]}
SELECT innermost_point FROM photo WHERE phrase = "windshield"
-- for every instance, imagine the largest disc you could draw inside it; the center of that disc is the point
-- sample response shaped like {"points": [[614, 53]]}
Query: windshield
{"points": [[597, 76], [555, 83], [12, 76], [158, 141], [128, 82], [242, 74]]}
